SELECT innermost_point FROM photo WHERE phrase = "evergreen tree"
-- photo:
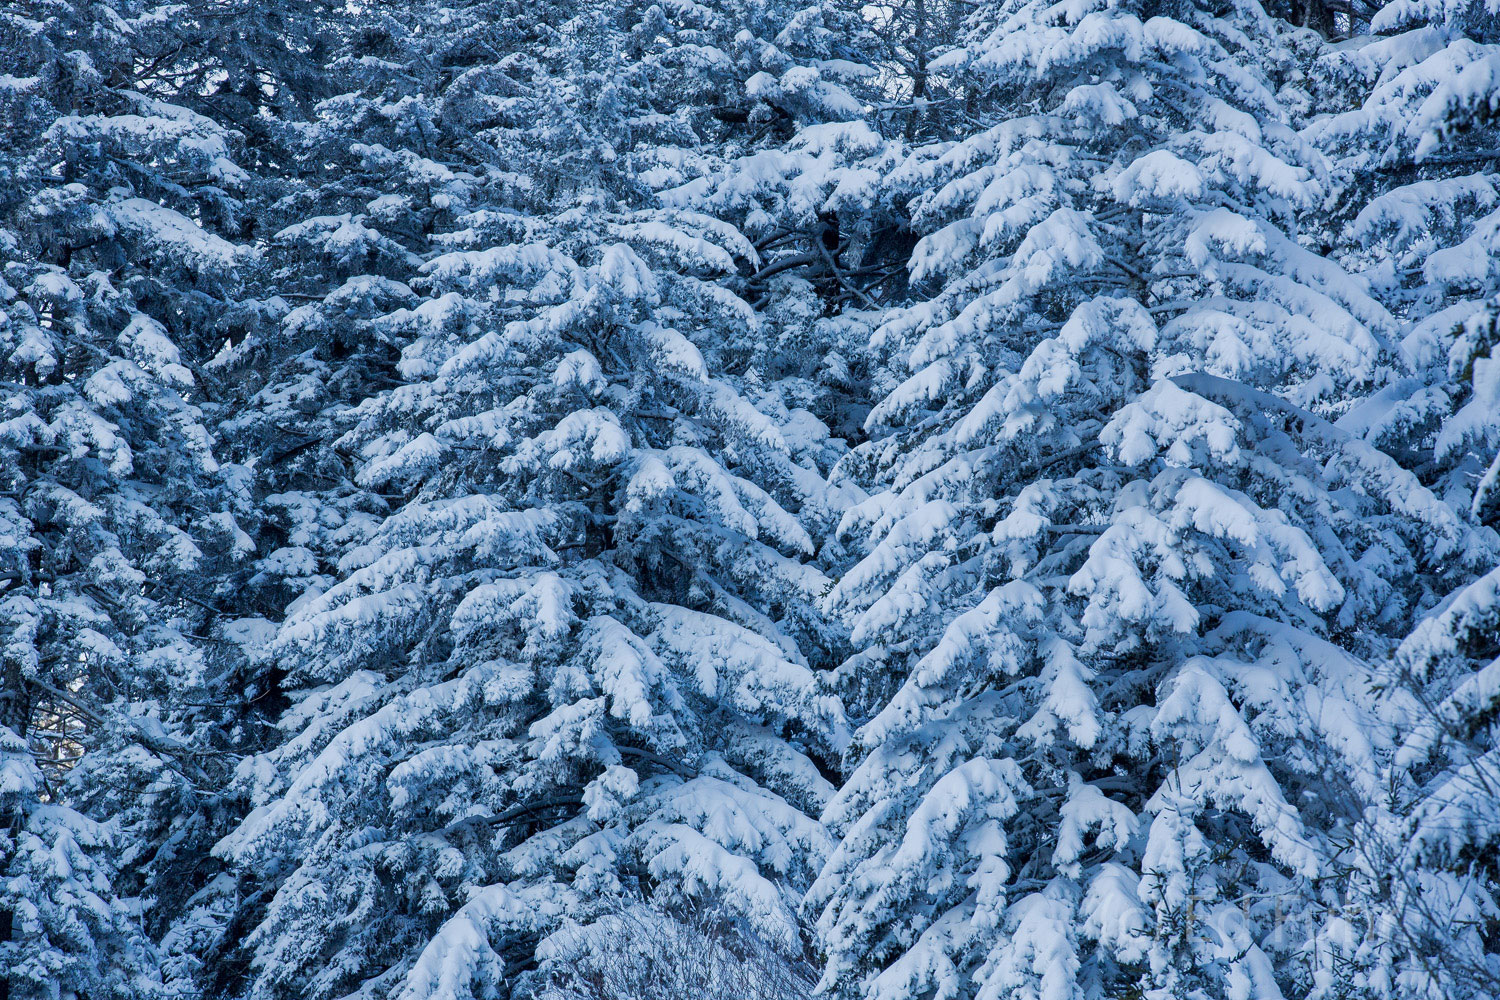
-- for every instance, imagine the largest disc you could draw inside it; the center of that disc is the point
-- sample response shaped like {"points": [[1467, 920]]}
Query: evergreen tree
{"points": [[64, 929], [1419, 190], [1421, 866], [114, 204], [1417, 160], [1123, 565], [575, 664]]}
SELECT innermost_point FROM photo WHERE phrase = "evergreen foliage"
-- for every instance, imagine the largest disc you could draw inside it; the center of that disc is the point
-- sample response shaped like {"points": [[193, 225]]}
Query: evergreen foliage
{"points": [[918, 500]]}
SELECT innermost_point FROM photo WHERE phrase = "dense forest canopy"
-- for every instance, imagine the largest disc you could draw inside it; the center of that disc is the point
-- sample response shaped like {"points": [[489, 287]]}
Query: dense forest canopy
{"points": [[708, 499]]}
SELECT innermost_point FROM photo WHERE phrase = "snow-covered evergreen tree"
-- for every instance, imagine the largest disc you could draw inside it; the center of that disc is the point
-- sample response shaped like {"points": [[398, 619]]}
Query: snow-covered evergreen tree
{"points": [[113, 208], [1421, 867], [1122, 564], [64, 928], [1420, 209], [575, 664], [1419, 195]]}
